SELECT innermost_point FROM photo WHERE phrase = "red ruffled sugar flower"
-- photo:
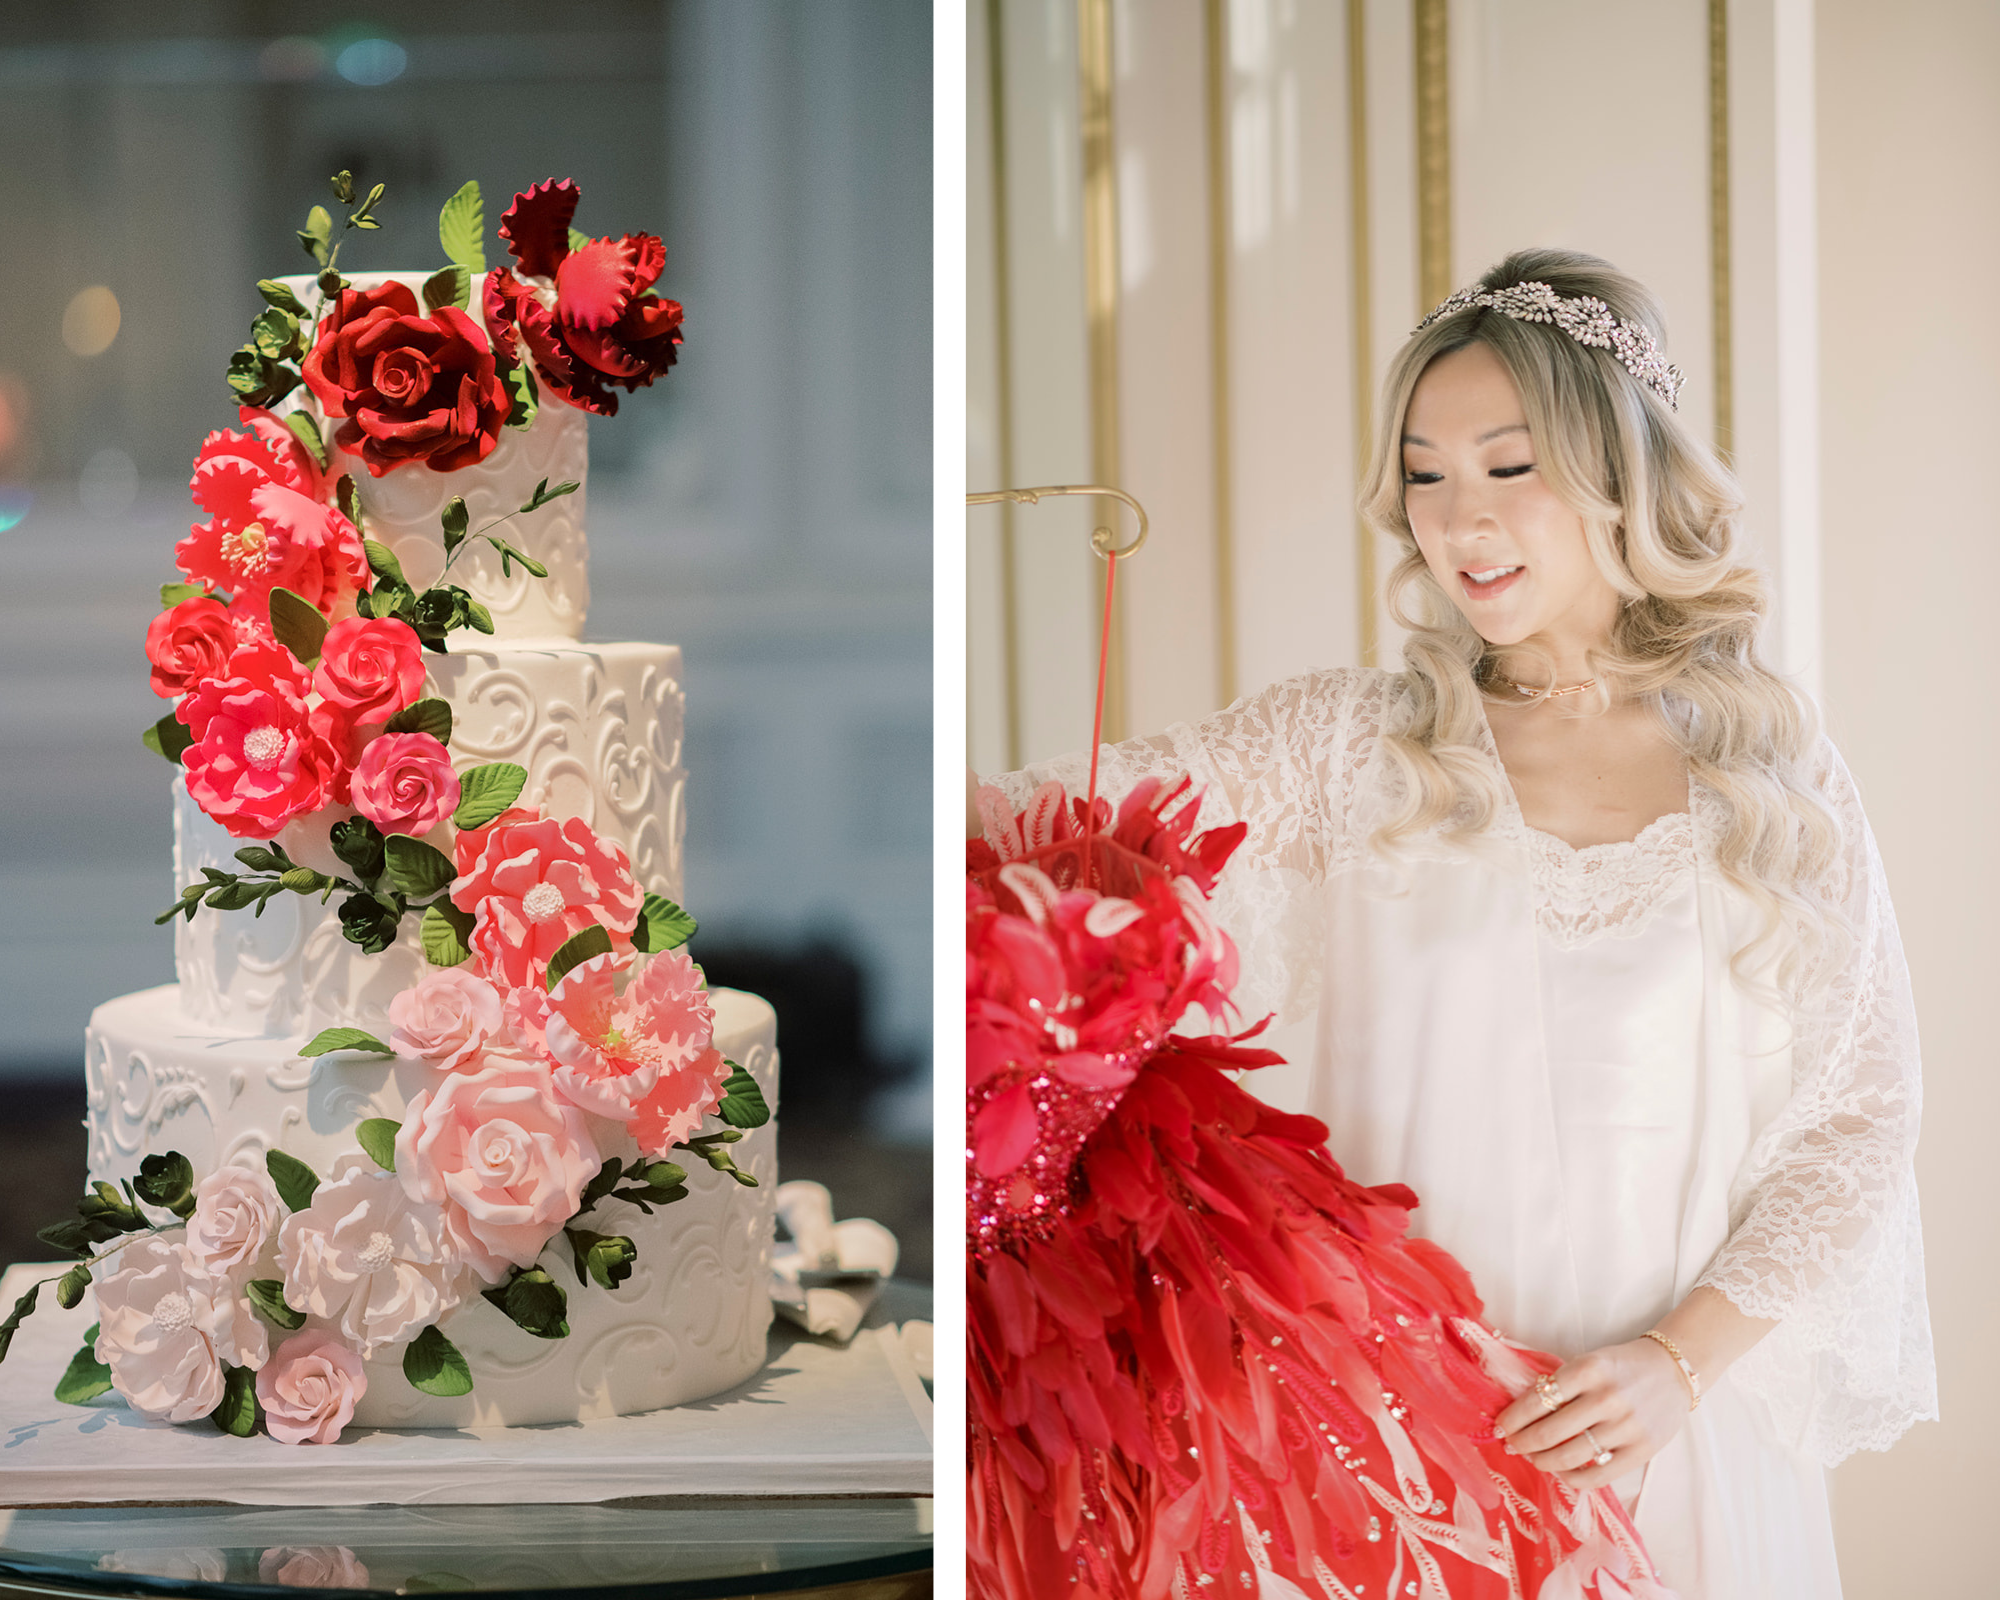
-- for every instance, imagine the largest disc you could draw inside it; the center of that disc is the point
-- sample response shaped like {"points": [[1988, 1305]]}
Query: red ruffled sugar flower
{"points": [[189, 644], [257, 760], [411, 387], [611, 1053], [585, 314], [531, 882], [268, 527]]}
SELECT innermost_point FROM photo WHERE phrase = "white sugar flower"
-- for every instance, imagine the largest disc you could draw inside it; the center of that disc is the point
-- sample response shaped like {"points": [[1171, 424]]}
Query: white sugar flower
{"points": [[236, 1212], [165, 1328], [368, 1258]]}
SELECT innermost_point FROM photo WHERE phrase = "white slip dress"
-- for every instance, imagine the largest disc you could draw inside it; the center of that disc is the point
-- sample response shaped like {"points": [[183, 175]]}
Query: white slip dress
{"points": [[1548, 1046]]}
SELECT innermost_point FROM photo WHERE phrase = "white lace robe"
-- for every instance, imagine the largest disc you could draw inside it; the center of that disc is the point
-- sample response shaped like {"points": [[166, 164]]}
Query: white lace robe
{"points": [[1547, 1044]]}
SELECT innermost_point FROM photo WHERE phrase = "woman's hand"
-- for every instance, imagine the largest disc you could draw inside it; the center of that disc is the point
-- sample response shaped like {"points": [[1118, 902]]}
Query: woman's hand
{"points": [[1630, 1396]]}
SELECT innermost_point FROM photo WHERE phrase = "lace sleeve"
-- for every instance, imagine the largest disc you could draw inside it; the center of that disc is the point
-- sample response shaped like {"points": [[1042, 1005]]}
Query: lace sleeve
{"points": [[1280, 762], [1827, 1238]]}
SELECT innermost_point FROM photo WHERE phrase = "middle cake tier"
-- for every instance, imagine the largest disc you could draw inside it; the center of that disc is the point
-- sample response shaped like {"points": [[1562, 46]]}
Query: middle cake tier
{"points": [[596, 727]]}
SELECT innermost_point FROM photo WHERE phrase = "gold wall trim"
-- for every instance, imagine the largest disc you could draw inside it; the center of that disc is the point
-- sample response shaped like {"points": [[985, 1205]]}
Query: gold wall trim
{"points": [[1718, 228], [1010, 643], [1433, 63], [1216, 29], [1100, 273], [1361, 269]]}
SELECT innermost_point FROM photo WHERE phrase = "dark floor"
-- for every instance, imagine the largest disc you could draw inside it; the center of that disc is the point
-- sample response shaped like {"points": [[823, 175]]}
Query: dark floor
{"points": [[42, 1161]]}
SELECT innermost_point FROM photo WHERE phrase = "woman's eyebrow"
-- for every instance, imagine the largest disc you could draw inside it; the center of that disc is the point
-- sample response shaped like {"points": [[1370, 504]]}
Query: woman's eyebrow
{"points": [[1512, 427]]}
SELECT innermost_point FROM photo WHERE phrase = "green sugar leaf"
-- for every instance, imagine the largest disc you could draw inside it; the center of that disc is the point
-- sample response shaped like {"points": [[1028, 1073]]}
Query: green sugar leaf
{"points": [[416, 869], [382, 560], [260, 858], [450, 286], [277, 294], [343, 186], [534, 1301], [377, 1136], [330, 1039], [425, 716], [662, 925], [544, 494], [577, 948], [172, 594], [435, 1365], [167, 1180], [508, 553], [477, 616], [85, 1378], [317, 233], [268, 1296], [306, 431], [238, 1411], [485, 792], [168, 737], [519, 379], [462, 227], [295, 1180], [22, 1307], [297, 625], [446, 933], [275, 333], [742, 1101], [348, 498], [70, 1286], [603, 1259], [577, 240]]}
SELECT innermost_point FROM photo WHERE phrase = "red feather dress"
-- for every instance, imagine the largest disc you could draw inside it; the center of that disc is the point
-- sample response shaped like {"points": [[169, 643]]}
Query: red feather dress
{"points": [[1202, 1362]]}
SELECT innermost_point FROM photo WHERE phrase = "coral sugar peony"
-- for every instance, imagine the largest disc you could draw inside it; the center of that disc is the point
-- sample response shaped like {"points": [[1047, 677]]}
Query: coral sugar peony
{"points": [[531, 882], [257, 760]]}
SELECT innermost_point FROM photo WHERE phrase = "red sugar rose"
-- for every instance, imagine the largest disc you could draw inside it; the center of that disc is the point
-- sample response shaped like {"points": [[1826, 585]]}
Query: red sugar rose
{"points": [[257, 760], [267, 528], [370, 668], [603, 327], [189, 645], [412, 388]]}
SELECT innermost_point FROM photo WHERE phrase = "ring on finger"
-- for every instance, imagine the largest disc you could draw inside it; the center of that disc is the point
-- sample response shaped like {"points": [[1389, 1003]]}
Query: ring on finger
{"points": [[1601, 1457], [1549, 1392]]}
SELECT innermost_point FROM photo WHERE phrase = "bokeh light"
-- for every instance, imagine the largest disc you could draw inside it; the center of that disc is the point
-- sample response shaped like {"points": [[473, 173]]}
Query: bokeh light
{"points": [[90, 321], [14, 504], [292, 59], [371, 62]]}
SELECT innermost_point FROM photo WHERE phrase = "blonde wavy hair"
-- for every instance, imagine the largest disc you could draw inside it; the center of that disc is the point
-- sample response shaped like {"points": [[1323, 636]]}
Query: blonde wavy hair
{"points": [[1659, 513]]}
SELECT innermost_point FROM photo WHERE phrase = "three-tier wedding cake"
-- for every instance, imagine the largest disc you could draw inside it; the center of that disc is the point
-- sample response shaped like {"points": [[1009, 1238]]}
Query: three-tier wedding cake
{"points": [[440, 1125]]}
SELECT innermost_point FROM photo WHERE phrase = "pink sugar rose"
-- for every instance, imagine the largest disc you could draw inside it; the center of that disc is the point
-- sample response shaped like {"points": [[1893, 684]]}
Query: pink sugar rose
{"points": [[308, 1388], [609, 1052], [370, 667], [189, 645], [236, 1212], [404, 783], [165, 1327], [446, 1018], [531, 882], [268, 527], [312, 1566], [505, 1158], [257, 760]]}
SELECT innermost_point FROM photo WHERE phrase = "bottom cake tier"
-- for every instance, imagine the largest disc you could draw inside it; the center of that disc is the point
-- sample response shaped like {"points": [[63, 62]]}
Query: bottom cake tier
{"points": [[690, 1322]]}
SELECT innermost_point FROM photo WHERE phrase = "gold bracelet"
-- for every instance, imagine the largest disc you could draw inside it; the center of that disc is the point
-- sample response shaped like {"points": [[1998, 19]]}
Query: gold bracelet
{"points": [[1681, 1361]]}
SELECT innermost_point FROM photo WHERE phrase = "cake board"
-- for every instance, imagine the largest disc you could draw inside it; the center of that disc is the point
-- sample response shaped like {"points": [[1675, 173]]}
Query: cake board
{"points": [[816, 1420]]}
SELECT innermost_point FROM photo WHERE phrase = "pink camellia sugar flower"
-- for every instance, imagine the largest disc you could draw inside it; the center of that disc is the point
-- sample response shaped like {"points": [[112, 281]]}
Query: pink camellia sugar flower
{"points": [[531, 882], [370, 667], [309, 1387], [257, 760], [367, 1257], [236, 1212], [609, 1052], [403, 783], [189, 644], [505, 1158], [268, 526], [165, 1327], [446, 1018]]}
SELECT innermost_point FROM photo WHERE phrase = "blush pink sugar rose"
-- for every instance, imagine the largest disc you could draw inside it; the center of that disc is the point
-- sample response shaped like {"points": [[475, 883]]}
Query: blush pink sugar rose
{"points": [[505, 1158], [608, 1053], [257, 760], [446, 1018], [309, 1387], [531, 882], [236, 1212], [403, 783]]}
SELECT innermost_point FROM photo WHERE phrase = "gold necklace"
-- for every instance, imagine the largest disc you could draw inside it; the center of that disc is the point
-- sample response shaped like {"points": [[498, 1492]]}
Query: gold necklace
{"points": [[1545, 694]]}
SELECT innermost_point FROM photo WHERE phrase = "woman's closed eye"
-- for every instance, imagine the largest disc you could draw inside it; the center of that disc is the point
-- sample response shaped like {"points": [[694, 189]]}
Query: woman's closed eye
{"points": [[1413, 476]]}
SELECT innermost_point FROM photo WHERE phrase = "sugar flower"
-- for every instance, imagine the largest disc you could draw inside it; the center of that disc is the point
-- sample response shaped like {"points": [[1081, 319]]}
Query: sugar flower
{"points": [[309, 1387], [368, 1258], [404, 783], [446, 1017], [165, 1328], [312, 1566], [257, 760], [505, 1158], [189, 644], [236, 1213], [531, 882]]}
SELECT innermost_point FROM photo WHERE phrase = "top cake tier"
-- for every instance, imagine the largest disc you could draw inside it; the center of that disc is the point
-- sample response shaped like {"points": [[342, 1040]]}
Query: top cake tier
{"points": [[401, 509]]}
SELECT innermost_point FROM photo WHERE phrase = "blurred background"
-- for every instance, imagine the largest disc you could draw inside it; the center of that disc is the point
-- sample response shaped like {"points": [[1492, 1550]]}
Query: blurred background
{"points": [[766, 506], [1199, 230]]}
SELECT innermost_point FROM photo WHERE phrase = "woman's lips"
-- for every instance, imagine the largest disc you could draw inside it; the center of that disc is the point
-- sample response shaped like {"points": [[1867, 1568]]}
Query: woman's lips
{"points": [[1486, 591]]}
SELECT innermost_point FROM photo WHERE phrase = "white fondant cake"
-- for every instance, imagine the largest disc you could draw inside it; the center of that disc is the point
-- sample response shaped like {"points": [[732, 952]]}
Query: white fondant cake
{"points": [[212, 1066]]}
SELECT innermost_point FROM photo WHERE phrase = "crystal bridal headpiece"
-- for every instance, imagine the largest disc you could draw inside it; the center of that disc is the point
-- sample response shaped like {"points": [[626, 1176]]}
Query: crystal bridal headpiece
{"points": [[1585, 319]]}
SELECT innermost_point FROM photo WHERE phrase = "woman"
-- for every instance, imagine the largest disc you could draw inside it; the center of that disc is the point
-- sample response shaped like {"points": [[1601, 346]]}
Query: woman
{"points": [[1601, 952]]}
